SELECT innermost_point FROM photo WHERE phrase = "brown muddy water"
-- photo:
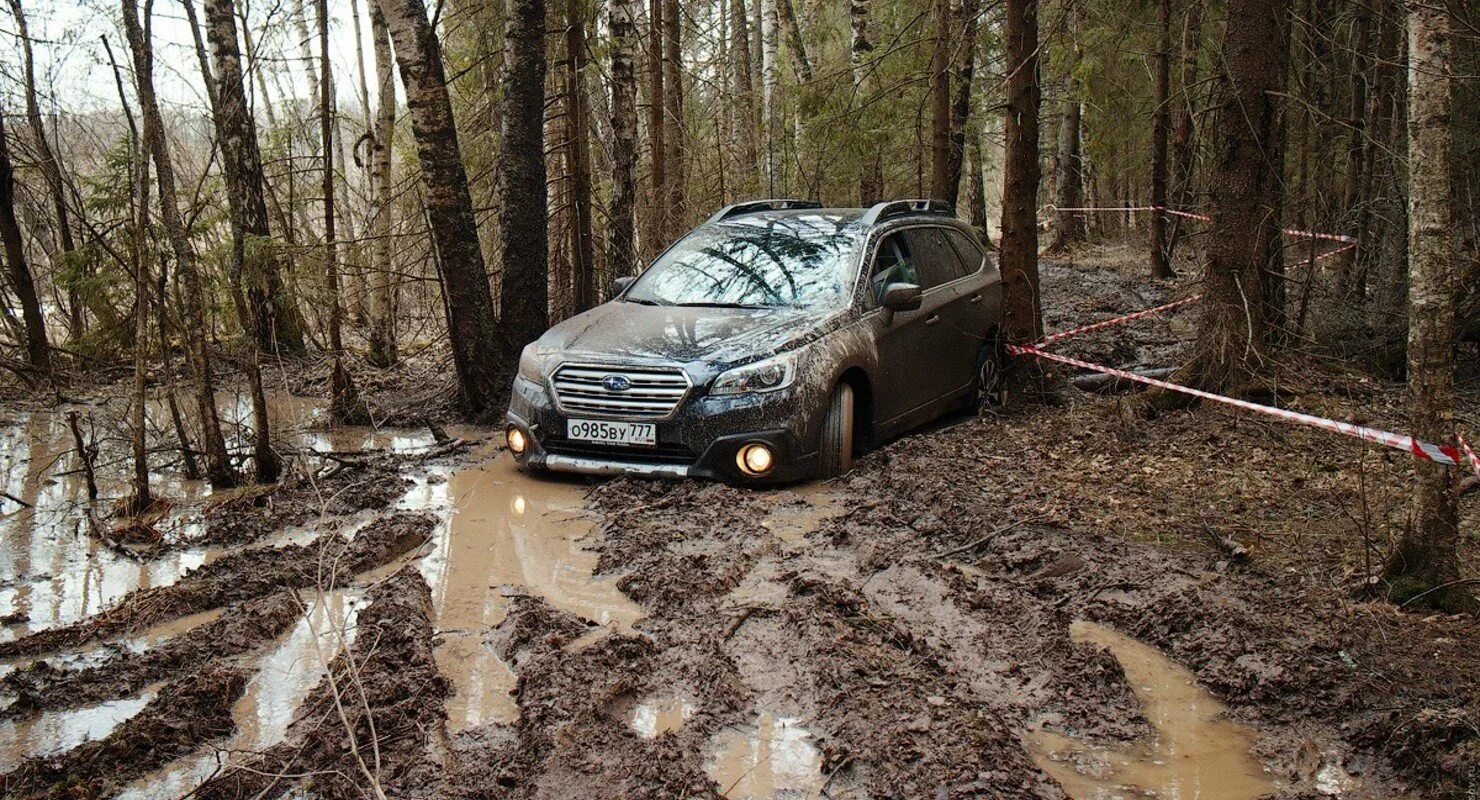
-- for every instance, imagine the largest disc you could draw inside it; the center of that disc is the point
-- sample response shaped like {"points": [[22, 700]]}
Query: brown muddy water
{"points": [[1195, 753]]}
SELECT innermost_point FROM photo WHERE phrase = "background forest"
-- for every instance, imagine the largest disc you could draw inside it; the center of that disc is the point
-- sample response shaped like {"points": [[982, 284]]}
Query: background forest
{"points": [[379, 181]]}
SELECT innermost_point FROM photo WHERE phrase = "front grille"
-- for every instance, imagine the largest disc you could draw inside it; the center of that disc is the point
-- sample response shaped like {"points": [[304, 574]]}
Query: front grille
{"points": [[651, 393]]}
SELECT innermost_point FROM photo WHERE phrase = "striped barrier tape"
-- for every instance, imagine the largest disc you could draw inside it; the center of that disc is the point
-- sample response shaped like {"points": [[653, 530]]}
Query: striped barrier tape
{"points": [[1330, 237], [1135, 315], [1438, 453], [1470, 454]]}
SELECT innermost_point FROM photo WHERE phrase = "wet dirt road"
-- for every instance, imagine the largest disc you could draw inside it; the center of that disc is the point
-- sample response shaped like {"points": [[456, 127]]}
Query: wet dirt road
{"points": [[886, 635]]}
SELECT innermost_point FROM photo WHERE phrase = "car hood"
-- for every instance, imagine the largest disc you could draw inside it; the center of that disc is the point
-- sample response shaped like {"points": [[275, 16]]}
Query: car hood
{"points": [[684, 334]]}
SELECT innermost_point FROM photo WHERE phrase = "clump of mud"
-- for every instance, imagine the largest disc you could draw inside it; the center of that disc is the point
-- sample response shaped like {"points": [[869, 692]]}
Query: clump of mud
{"points": [[378, 712], [242, 628], [186, 713], [253, 513], [243, 575]]}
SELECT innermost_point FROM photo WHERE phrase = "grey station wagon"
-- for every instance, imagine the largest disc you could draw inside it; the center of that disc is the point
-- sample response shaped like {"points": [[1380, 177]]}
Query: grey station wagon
{"points": [[770, 344]]}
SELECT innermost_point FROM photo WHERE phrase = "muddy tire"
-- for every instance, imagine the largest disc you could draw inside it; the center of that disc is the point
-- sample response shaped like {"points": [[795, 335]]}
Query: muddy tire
{"points": [[835, 451], [990, 365]]}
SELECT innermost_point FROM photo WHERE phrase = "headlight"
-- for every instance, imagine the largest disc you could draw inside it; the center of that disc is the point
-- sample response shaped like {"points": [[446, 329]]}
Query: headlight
{"points": [[529, 365], [762, 376]]}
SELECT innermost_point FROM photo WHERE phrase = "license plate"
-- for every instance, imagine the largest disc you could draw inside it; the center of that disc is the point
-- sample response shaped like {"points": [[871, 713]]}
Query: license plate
{"points": [[642, 434]]}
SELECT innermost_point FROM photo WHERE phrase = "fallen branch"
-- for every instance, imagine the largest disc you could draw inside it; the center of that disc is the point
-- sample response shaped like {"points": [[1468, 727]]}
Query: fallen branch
{"points": [[983, 540]]}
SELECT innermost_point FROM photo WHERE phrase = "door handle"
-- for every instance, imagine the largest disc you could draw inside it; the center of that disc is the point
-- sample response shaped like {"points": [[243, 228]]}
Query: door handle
{"points": [[976, 298], [932, 319]]}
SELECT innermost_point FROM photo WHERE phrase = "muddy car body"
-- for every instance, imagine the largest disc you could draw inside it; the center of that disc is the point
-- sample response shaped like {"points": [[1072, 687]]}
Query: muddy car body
{"points": [[817, 333]]}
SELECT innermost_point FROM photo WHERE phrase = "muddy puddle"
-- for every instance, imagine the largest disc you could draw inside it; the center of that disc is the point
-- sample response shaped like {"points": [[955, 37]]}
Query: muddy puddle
{"points": [[282, 678], [772, 759], [1195, 753], [655, 716], [506, 534]]}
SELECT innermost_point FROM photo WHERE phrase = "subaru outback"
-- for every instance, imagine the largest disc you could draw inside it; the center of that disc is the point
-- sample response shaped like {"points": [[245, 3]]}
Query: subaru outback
{"points": [[771, 344]]}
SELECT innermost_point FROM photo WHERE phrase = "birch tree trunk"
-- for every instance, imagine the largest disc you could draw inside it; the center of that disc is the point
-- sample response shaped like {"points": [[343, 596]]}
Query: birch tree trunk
{"points": [[861, 48], [524, 237], [219, 470], [481, 353], [38, 349], [274, 319], [621, 257], [1426, 562], [1022, 308], [382, 338]]}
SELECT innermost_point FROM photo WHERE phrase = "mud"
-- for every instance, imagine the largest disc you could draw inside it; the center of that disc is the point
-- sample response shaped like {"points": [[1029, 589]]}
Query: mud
{"points": [[239, 576], [906, 631], [186, 712], [240, 629], [373, 717]]}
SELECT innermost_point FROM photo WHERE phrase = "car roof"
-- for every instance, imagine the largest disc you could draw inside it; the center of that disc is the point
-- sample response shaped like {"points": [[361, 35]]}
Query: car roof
{"points": [[806, 220]]}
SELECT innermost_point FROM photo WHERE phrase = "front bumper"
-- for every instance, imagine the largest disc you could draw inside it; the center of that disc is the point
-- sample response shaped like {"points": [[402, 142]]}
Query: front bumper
{"points": [[700, 439]]}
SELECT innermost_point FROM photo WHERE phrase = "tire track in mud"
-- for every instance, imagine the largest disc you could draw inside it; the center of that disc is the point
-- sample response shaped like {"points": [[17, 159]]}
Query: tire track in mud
{"points": [[238, 576], [241, 629], [186, 712], [377, 713]]}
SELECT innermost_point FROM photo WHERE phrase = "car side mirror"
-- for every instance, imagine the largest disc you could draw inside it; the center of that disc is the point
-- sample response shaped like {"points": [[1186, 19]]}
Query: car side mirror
{"points": [[901, 297], [620, 285]]}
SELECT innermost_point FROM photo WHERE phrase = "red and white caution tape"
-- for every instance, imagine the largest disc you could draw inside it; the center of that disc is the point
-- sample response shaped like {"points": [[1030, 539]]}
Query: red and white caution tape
{"points": [[1470, 454], [1439, 453], [1109, 323], [1331, 237]]}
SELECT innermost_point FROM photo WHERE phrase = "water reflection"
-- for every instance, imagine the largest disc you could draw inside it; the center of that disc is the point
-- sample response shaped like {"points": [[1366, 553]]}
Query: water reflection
{"points": [[770, 760]]}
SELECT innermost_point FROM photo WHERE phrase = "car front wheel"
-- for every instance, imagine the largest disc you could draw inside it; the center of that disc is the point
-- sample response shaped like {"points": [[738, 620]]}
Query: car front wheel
{"points": [[835, 453]]}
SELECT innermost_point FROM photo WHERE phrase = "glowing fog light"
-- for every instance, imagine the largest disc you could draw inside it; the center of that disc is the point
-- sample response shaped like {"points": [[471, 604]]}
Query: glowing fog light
{"points": [[518, 442], [755, 459]]}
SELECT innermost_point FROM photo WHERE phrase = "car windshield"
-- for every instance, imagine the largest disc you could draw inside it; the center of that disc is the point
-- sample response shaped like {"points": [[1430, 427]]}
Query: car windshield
{"points": [[795, 262]]}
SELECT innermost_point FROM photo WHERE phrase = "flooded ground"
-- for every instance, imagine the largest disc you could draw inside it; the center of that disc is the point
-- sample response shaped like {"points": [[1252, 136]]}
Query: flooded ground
{"points": [[1195, 752]]}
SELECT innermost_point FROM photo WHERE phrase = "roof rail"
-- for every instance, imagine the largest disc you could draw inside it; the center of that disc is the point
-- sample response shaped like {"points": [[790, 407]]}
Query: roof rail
{"points": [[752, 206], [895, 208]]}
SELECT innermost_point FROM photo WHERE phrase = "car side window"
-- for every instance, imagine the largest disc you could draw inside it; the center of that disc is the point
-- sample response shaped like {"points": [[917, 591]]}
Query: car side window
{"points": [[971, 253], [892, 264], [935, 258]]}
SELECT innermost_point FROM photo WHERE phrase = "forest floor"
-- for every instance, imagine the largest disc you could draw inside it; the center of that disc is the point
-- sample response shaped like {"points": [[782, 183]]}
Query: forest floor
{"points": [[1062, 601]]}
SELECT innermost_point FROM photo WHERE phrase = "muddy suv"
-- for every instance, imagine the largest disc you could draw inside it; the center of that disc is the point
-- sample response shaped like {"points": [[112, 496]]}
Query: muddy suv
{"points": [[770, 344]]}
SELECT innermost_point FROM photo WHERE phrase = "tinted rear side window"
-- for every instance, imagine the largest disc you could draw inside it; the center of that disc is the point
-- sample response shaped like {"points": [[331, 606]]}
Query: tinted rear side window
{"points": [[934, 256], [971, 253]]}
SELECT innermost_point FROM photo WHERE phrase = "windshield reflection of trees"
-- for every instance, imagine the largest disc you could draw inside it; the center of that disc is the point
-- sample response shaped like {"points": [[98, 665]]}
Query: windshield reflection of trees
{"points": [[780, 263]]}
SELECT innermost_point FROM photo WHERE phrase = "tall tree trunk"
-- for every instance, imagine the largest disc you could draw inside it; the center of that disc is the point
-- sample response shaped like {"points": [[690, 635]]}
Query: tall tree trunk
{"points": [[219, 470], [1184, 134], [326, 143], [1068, 183], [861, 47], [1234, 336], [744, 100], [1426, 561], [796, 46], [587, 289], [481, 352], [964, 69], [1022, 308], [525, 293], [1161, 262], [38, 350], [305, 47], [382, 338], [271, 319], [51, 169], [976, 184], [139, 252], [676, 136], [622, 214], [1356, 150], [940, 104], [769, 78], [276, 325], [657, 132]]}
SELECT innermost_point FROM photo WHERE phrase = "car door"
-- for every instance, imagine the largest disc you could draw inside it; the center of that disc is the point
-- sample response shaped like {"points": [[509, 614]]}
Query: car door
{"points": [[910, 375], [957, 338]]}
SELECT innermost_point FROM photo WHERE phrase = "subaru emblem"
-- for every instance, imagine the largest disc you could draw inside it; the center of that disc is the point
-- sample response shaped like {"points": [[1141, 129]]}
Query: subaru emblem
{"points": [[616, 383]]}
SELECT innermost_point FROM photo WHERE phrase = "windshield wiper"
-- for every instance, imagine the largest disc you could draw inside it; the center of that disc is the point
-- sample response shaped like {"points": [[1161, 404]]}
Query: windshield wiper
{"points": [[722, 305], [643, 301]]}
